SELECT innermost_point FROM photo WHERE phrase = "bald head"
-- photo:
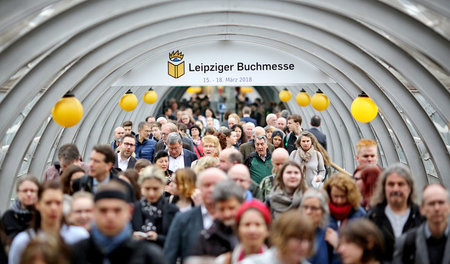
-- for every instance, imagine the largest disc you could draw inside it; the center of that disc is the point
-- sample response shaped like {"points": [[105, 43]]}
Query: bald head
{"points": [[118, 132], [240, 174], [229, 157], [206, 181], [279, 157], [436, 208]]}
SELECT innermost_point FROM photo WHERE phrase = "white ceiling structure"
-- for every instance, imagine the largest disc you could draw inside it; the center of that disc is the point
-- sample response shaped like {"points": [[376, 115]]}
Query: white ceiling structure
{"points": [[398, 52]]}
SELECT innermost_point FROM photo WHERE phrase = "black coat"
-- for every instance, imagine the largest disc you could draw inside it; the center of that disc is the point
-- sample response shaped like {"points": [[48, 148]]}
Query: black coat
{"points": [[130, 252], [14, 222], [218, 239], [162, 224], [377, 216]]}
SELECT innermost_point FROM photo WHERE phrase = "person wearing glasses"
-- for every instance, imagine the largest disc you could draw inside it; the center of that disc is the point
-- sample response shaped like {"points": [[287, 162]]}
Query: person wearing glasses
{"points": [[315, 205], [125, 159]]}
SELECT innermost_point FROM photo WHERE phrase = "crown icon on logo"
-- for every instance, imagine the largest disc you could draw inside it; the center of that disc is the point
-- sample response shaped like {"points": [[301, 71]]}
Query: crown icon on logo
{"points": [[175, 66], [176, 56]]}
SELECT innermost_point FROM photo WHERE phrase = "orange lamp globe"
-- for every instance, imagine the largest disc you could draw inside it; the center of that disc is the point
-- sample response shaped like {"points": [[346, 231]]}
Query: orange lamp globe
{"points": [[285, 95], [129, 101], [320, 101], [303, 98], [364, 109], [150, 96], [68, 111]]}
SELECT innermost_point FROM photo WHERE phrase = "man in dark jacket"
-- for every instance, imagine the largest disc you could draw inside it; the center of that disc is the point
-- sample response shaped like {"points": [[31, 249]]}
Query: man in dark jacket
{"points": [[432, 238], [111, 235], [321, 137], [100, 169], [219, 238], [395, 213]]}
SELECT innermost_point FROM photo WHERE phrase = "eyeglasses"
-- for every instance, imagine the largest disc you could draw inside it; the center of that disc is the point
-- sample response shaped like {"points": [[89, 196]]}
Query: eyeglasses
{"points": [[312, 208], [129, 145]]}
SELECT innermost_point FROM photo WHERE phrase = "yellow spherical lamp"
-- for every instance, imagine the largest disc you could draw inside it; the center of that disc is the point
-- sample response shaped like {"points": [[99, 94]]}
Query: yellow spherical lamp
{"points": [[303, 98], [246, 89], [129, 101], [320, 101], [194, 89], [68, 111], [285, 95], [150, 96], [364, 109]]}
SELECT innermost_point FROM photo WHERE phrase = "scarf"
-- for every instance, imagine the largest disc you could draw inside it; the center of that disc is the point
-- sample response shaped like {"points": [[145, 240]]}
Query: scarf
{"points": [[306, 156], [17, 208], [281, 202], [153, 214], [107, 244], [340, 212]]}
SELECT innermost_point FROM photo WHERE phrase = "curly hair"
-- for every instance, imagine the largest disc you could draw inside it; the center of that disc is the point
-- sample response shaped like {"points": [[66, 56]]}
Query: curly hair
{"points": [[347, 185], [243, 137], [186, 181], [278, 181]]}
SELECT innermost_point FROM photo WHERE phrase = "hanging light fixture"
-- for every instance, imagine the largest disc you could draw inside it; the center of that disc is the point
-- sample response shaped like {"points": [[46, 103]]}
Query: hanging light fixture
{"points": [[68, 111], [194, 89], [363, 108], [246, 89], [303, 98], [128, 101], [320, 101], [150, 96], [285, 95]]}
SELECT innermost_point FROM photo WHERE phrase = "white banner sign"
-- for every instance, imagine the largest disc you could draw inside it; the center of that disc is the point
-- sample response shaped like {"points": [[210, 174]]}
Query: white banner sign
{"points": [[227, 63]]}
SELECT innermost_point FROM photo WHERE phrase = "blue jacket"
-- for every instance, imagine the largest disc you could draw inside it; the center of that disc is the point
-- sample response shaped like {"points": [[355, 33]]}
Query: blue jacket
{"points": [[146, 149], [321, 248]]}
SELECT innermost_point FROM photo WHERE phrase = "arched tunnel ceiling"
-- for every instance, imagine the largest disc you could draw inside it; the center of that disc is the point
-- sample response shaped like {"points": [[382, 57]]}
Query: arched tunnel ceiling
{"points": [[399, 59]]}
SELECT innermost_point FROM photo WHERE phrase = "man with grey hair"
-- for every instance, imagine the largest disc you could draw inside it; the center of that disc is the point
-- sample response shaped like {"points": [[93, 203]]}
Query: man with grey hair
{"points": [[247, 148], [219, 238], [394, 212], [432, 237], [248, 128], [240, 174], [179, 157], [168, 128], [260, 161], [281, 123], [271, 119], [186, 226]]}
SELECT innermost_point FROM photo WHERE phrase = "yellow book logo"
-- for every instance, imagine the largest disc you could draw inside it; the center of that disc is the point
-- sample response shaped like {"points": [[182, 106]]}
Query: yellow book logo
{"points": [[175, 64]]}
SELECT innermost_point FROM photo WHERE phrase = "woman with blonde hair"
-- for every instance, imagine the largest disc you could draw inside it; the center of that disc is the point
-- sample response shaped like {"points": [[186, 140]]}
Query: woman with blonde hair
{"points": [[344, 205], [310, 159], [204, 163], [186, 195], [211, 148], [152, 214]]}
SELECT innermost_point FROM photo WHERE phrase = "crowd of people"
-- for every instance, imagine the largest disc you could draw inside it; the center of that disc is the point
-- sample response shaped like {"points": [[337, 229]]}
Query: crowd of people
{"points": [[186, 187]]}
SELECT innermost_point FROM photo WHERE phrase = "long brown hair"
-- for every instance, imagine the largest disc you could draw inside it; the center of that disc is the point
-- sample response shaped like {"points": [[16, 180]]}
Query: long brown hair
{"points": [[48, 185], [279, 177], [316, 144], [346, 184]]}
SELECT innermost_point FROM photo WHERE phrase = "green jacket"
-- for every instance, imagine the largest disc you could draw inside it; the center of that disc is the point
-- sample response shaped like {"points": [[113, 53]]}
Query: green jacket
{"points": [[259, 168]]}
